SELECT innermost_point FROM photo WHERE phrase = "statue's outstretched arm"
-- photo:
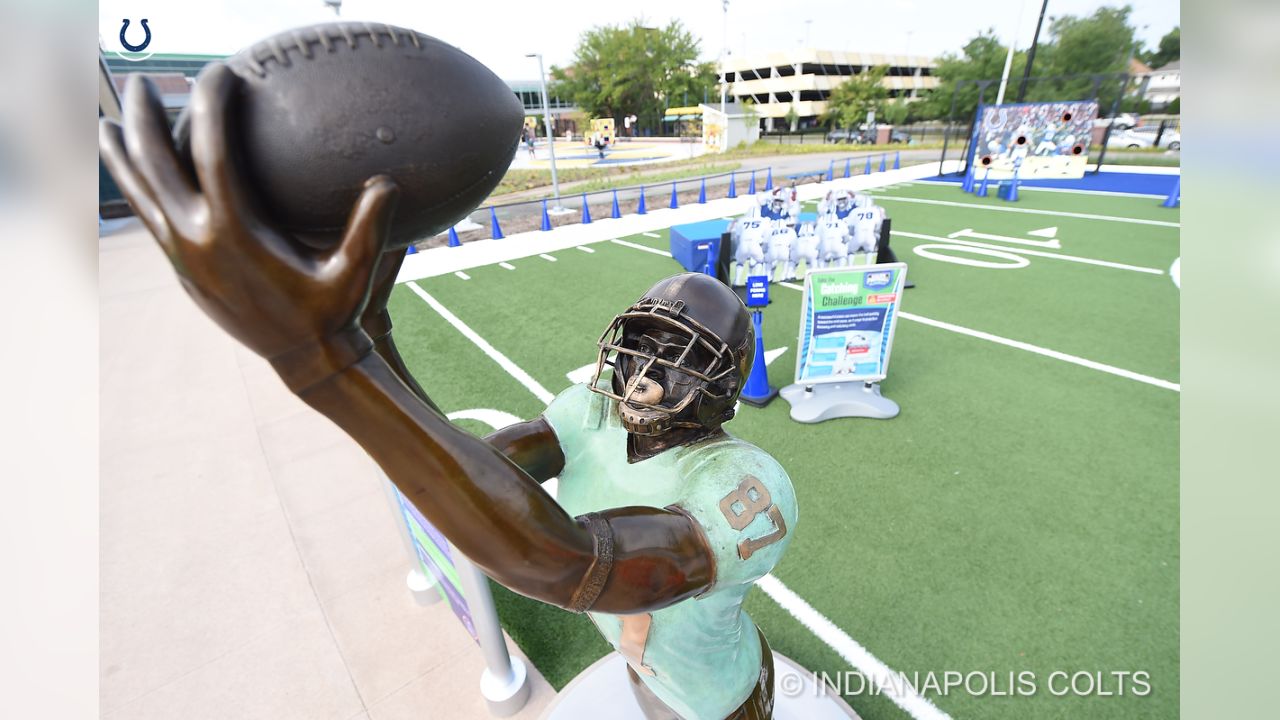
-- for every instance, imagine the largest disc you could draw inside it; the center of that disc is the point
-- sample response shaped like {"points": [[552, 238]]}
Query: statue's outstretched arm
{"points": [[302, 309]]}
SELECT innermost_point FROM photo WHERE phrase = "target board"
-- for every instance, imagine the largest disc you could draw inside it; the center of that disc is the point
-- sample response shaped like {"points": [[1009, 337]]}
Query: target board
{"points": [[1042, 141]]}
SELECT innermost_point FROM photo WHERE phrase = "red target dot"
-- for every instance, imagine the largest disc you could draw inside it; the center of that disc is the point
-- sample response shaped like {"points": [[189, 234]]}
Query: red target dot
{"points": [[1022, 140], [1077, 149], [986, 160], [1066, 117]]}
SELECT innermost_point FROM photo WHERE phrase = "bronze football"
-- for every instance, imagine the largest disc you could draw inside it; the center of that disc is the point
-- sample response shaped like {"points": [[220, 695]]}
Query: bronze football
{"points": [[323, 108]]}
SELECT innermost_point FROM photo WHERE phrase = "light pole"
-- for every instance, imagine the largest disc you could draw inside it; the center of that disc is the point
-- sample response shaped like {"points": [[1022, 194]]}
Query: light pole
{"points": [[724, 70], [551, 136]]}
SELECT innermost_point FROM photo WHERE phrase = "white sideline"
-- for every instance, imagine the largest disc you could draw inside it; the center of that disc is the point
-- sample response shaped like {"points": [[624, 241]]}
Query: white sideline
{"points": [[1027, 211], [817, 623], [1065, 357], [873, 670], [512, 369], [447, 260]]}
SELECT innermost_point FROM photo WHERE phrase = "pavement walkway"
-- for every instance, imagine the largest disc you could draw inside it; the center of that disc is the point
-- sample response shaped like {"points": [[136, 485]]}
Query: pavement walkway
{"points": [[250, 564]]}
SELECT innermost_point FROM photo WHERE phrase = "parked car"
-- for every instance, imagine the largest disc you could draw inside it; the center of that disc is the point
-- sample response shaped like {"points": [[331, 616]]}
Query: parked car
{"points": [[844, 136], [897, 136], [1123, 121], [1130, 139], [1170, 139]]}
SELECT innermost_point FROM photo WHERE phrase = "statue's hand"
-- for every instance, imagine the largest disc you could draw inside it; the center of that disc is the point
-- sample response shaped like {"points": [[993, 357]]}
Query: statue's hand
{"points": [[294, 305]]}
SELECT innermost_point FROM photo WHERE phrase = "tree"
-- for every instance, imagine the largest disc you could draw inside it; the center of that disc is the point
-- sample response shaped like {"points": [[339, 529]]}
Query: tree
{"points": [[894, 112], [621, 70], [982, 58], [792, 117], [1097, 44], [851, 100], [1169, 49]]}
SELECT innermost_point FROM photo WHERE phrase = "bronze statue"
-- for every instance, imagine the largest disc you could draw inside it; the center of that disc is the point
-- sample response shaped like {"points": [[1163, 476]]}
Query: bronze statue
{"points": [[663, 519]]}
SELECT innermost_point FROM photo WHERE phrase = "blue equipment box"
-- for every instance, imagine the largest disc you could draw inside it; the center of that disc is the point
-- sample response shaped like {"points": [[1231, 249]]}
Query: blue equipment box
{"points": [[690, 243]]}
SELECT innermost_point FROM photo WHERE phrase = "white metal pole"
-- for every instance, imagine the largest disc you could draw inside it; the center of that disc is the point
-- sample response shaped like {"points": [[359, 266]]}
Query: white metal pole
{"points": [[504, 680], [1008, 59], [724, 70], [551, 136]]}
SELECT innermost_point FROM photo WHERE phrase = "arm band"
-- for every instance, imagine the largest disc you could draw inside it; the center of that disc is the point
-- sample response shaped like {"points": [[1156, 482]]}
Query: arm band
{"points": [[593, 583]]}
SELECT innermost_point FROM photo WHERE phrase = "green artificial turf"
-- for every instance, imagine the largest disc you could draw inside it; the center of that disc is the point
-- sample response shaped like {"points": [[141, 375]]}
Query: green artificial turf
{"points": [[1021, 514]]}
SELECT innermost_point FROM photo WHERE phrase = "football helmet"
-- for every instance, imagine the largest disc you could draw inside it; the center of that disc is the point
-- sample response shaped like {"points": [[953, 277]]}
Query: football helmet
{"points": [[680, 356]]}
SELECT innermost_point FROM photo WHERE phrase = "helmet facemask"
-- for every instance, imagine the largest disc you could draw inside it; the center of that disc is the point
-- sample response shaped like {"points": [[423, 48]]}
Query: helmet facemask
{"points": [[663, 369]]}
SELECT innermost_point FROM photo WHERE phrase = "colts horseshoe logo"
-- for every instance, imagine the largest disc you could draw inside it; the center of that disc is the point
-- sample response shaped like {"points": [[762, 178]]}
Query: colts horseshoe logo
{"points": [[146, 40]]}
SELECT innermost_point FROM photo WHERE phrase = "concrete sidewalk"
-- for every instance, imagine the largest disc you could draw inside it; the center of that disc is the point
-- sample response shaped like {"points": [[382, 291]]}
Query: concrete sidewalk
{"points": [[250, 565]]}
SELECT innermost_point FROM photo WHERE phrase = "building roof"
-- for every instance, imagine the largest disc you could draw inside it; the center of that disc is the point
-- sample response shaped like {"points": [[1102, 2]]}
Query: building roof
{"points": [[749, 61], [1137, 67], [1170, 66]]}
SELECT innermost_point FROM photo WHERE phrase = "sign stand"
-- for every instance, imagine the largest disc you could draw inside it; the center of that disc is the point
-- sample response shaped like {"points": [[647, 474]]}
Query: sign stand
{"points": [[422, 585], [847, 320], [504, 682], [815, 403]]}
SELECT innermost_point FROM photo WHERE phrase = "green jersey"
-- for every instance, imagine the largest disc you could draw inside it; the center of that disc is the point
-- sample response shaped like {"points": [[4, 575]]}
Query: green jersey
{"points": [[700, 656]]}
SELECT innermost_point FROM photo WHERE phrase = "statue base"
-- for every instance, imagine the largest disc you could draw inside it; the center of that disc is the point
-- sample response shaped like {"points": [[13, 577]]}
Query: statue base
{"points": [[603, 690], [824, 401]]}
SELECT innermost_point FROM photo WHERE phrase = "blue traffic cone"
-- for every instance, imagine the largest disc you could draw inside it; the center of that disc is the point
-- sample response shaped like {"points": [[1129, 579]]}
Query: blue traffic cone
{"points": [[1009, 192], [751, 189], [733, 185], [882, 168], [982, 189], [586, 211], [867, 169], [614, 212], [768, 181], [675, 200], [453, 238], [1175, 197], [640, 207], [757, 391], [967, 185], [493, 222], [831, 170], [546, 219], [411, 250], [847, 161], [702, 192], [897, 161]]}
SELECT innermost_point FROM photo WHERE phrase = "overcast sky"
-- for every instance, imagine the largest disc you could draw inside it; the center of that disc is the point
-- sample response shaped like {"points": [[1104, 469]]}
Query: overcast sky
{"points": [[499, 34]]}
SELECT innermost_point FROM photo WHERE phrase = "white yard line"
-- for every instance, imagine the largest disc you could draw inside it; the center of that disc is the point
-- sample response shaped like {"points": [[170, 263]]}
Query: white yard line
{"points": [[638, 246], [506, 266], [817, 623], [585, 249], [652, 235], [463, 275], [1065, 357], [512, 369], [1037, 253], [1028, 211], [547, 257], [872, 669], [1073, 359]]}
